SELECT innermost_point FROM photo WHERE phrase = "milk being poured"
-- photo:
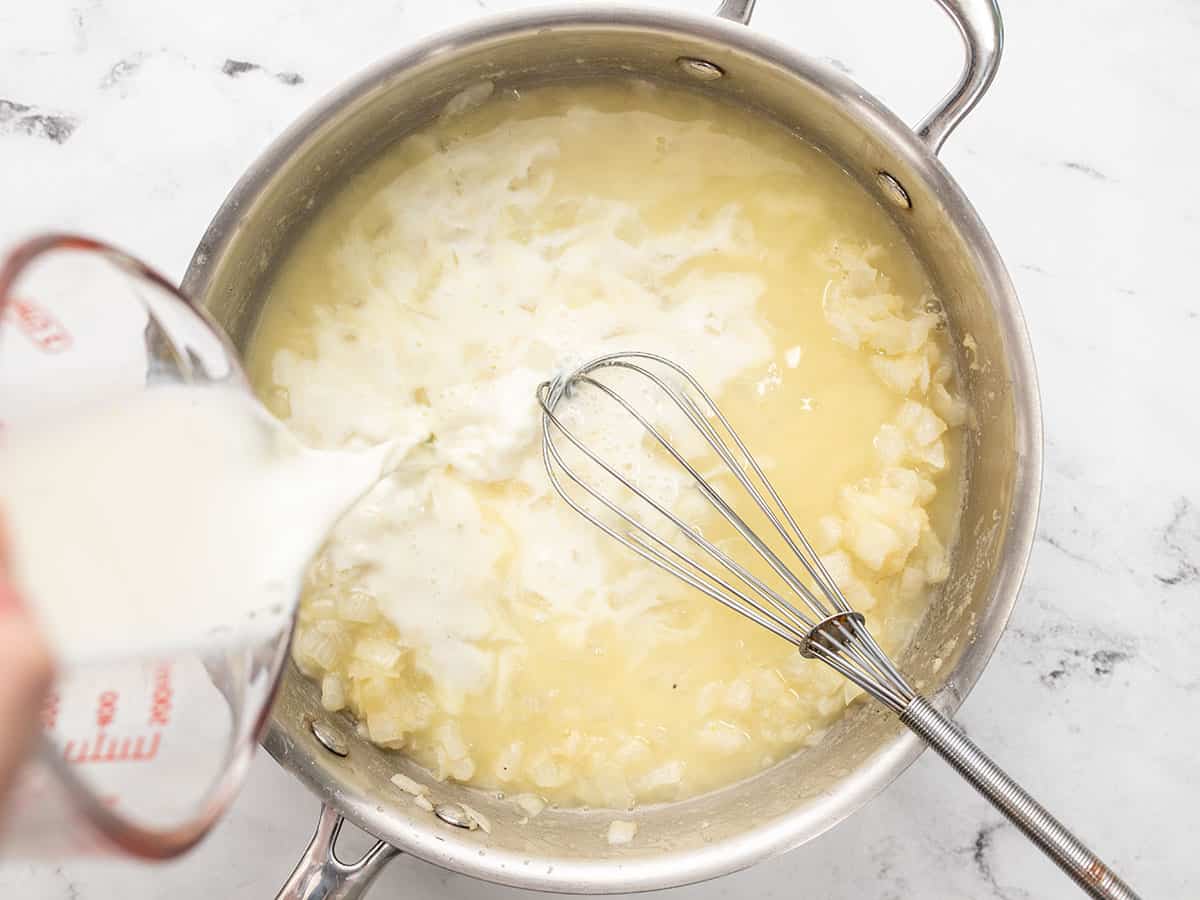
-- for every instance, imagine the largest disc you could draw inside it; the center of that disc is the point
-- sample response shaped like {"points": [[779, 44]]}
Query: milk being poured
{"points": [[179, 517]]}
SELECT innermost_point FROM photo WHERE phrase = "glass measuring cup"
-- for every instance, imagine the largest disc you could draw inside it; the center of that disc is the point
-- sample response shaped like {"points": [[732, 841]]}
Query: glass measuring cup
{"points": [[142, 754]]}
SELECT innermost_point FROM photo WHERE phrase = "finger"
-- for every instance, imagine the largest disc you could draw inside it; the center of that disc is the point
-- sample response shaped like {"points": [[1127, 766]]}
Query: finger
{"points": [[3, 548], [26, 673]]}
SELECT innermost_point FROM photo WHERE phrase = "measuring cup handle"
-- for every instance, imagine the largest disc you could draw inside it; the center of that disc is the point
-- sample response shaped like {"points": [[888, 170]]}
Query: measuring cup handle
{"points": [[320, 875]]}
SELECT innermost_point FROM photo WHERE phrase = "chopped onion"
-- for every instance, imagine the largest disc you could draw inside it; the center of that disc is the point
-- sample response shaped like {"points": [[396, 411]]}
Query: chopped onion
{"points": [[621, 832], [408, 785], [530, 804], [333, 693], [478, 818]]}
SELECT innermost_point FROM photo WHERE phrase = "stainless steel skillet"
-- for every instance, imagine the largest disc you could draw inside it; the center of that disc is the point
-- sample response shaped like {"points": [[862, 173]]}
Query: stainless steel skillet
{"points": [[813, 790]]}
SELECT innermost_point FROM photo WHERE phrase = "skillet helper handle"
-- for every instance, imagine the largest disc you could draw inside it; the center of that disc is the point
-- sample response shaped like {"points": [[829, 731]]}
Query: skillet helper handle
{"points": [[738, 11], [982, 31], [320, 875], [944, 736]]}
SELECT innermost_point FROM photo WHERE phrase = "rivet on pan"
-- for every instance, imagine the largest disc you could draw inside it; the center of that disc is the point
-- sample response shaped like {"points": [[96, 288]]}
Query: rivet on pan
{"points": [[453, 814], [329, 737], [700, 69], [893, 190]]}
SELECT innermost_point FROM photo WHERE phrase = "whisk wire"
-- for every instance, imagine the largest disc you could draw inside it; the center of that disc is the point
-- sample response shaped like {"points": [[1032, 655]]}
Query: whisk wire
{"points": [[702, 422], [874, 660], [646, 543], [830, 631]]}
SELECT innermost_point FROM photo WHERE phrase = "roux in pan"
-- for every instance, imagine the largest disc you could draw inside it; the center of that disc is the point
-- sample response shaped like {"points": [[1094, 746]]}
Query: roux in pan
{"points": [[462, 612]]}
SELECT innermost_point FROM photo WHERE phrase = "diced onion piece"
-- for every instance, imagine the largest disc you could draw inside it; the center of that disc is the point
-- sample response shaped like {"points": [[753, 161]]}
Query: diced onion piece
{"points": [[333, 692], [891, 445], [667, 775], [450, 739], [874, 542], [913, 581], [739, 695], [461, 769], [357, 606], [621, 831], [383, 655], [549, 773], [479, 819], [385, 728], [530, 804], [320, 648], [903, 374], [722, 737], [828, 534], [408, 785]]}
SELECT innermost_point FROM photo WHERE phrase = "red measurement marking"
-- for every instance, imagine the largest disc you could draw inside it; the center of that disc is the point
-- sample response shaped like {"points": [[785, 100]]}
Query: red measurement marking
{"points": [[47, 333], [106, 708], [164, 693], [142, 748], [50, 711]]}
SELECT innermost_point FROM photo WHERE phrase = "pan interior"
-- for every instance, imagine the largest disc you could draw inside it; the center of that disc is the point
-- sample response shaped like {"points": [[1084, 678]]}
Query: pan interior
{"points": [[812, 790]]}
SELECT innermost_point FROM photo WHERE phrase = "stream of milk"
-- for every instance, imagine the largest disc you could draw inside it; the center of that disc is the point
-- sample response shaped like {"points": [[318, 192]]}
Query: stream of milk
{"points": [[180, 517]]}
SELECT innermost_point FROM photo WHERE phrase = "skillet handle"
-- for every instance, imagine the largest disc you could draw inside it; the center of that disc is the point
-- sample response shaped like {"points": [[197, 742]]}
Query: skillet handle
{"points": [[320, 875], [738, 11], [982, 31]]}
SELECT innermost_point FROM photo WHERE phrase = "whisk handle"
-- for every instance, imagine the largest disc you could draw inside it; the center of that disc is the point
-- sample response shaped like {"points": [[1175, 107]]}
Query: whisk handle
{"points": [[944, 736]]}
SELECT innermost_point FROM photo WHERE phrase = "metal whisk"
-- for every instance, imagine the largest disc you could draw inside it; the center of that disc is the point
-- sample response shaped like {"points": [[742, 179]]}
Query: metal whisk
{"points": [[811, 613]]}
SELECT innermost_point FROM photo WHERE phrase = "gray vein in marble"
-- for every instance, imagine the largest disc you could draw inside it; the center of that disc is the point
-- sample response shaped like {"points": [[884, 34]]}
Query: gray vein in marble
{"points": [[121, 70], [21, 118], [1101, 663], [1085, 169], [1064, 464], [884, 854], [1092, 653], [981, 851], [1181, 541], [1068, 552], [79, 23], [71, 887], [79, 29], [235, 68]]}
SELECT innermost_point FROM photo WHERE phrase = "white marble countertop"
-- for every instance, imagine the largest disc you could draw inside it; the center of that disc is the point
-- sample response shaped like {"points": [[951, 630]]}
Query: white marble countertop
{"points": [[131, 119]]}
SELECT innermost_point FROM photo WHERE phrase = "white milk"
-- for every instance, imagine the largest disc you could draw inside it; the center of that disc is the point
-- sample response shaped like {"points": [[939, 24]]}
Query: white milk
{"points": [[181, 517]]}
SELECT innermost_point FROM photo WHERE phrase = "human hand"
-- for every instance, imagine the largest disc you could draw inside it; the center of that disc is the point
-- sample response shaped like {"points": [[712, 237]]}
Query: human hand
{"points": [[26, 673]]}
